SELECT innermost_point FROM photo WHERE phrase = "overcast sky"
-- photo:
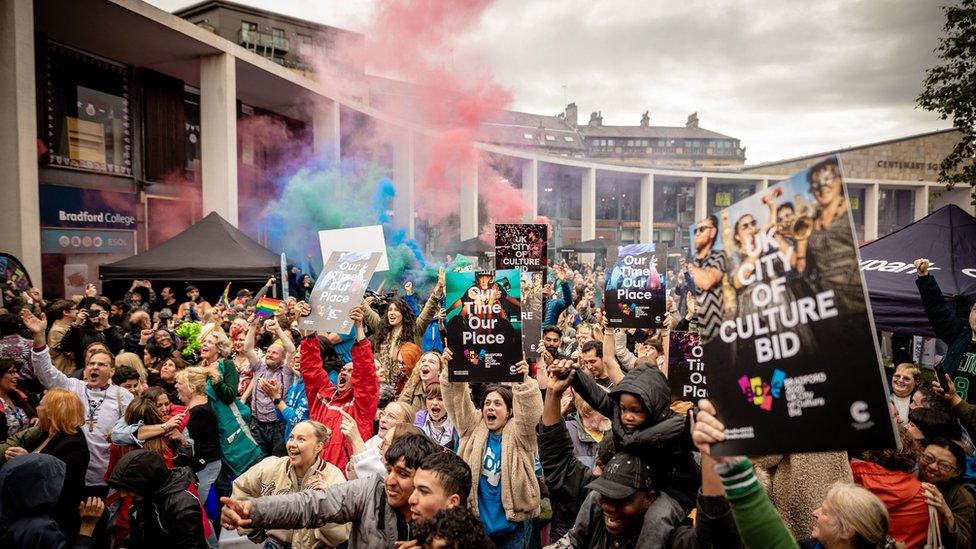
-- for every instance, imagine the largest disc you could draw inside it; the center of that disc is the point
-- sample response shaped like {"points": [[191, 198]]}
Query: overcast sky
{"points": [[787, 78]]}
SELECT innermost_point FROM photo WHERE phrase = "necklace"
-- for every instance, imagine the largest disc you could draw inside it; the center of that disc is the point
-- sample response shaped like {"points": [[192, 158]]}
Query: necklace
{"points": [[93, 410]]}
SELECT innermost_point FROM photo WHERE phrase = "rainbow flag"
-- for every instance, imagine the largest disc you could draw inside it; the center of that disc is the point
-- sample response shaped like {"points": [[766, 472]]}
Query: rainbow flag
{"points": [[267, 307], [225, 297]]}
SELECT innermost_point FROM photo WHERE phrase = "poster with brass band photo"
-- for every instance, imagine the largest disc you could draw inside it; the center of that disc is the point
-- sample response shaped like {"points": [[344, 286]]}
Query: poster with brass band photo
{"points": [[785, 323]]}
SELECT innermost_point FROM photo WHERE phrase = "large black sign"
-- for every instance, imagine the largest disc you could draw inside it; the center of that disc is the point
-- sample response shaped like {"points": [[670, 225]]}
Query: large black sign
{"points": [[794, 349]]}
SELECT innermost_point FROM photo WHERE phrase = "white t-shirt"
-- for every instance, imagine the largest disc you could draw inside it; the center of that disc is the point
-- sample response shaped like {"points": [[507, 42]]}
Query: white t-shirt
{"points": [[109, 404]]}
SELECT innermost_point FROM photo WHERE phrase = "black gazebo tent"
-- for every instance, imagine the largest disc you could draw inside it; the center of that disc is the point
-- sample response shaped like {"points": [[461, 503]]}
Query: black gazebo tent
{"points": [[947, 237], [210, 250]]}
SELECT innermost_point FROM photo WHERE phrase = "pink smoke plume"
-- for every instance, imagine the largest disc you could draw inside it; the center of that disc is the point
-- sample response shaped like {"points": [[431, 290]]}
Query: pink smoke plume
{"points": [[425, 43]]}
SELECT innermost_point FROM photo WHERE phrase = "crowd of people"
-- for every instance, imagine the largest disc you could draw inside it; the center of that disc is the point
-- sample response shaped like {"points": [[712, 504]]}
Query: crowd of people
{"points": [[155, 421]]}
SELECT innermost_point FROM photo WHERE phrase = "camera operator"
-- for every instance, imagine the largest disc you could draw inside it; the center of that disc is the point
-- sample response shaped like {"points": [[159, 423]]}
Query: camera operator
{"points": [[91, 326]]}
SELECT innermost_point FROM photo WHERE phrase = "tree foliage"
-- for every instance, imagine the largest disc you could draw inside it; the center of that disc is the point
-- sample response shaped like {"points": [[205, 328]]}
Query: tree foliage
{"points": [[950, 91]]}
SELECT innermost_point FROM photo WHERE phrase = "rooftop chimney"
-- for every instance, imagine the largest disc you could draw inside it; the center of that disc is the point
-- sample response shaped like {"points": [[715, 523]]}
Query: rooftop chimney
{"points": [[692, 120], [645, 119], [572, 115], [596, 119]]}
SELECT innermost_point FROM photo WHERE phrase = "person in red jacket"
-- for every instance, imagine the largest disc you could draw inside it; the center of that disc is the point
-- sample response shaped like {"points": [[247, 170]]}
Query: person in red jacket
{"points": [[889, 474], [356, 391]]}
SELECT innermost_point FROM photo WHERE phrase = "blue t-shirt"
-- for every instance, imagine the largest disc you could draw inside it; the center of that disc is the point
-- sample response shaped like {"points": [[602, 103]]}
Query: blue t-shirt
{"points": [[344, 347], [490, 489]]}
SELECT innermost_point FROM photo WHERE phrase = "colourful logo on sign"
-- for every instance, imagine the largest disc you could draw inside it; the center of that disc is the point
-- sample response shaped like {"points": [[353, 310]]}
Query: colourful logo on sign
{"points": [[762, 394]]}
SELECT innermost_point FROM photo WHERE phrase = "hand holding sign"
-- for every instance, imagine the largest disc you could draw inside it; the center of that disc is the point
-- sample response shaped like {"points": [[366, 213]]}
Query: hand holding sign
{"points": [[706, 429]]}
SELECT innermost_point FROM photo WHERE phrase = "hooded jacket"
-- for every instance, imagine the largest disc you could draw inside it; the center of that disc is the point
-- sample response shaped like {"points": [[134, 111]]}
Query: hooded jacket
{"points": [[664, 437], [325, 401], [902, 495], [30, 487], [168, 515]]}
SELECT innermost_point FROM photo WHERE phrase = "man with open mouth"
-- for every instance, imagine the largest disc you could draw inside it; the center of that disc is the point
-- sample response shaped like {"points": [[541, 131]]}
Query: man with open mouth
{"points": [[103, 402]]}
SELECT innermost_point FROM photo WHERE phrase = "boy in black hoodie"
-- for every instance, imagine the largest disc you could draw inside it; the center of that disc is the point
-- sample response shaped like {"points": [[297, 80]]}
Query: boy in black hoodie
{"points": [[164, 513], [643, 423]]}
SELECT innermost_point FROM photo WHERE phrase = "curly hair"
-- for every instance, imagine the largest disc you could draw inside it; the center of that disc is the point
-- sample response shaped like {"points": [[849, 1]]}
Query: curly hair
{"points": [[385, 330], [893, 459], [455, 527]]}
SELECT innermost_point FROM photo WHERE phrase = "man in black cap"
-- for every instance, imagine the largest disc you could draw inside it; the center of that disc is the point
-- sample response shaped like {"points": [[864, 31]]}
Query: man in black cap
{"points": [[613, 515]]}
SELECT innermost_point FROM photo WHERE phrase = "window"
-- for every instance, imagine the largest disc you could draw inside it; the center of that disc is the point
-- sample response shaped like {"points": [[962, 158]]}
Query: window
{"points": [[248, 28], [550, 138], [568, 138], [527, 135], [278, 36], [87, 112], [305, 44]]}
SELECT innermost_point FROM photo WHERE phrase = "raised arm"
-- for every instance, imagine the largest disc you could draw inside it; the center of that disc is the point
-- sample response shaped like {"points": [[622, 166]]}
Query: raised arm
{"points": [[620, 350], [338, 503], [430, 308], [251, 356], [226, 387], [614, 371], [45, 371], [593, 394], [457, 401], [365, 383], [310, 364], [946, 325], [526, 402]]}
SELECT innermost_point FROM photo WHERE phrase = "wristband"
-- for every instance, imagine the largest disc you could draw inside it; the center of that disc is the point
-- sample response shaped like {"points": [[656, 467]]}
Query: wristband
{"points": [[276, 401]]}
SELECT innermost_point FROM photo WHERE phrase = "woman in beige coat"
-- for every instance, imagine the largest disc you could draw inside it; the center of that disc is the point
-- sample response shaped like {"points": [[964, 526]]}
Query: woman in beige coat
{"points": [[499, 444], [301, 469]]}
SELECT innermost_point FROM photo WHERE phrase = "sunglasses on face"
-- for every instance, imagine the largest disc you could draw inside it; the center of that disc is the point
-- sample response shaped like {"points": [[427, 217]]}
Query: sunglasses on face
{"points": [[702, 228]]}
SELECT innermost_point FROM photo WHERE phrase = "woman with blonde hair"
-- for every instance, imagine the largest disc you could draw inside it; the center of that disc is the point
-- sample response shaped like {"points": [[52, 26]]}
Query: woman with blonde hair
{"points": [[58, 434], [904, 381], [201, 426], [133, 361], [301, 469], [238, 448]]}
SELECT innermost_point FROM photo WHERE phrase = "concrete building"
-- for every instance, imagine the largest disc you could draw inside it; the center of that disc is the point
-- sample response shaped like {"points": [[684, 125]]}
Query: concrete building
{"points": [[121, 124], [288, 41]]}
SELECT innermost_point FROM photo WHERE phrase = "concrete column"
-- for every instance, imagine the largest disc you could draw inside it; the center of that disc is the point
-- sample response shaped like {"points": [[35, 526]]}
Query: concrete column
{"points": [[763, 185], [701, 198], [19, 211], [468, 211], [403, 177], [530, 189], [218, 120], [325, 130], [921, 202], [588, 218], [647, 208], [871, 212]]}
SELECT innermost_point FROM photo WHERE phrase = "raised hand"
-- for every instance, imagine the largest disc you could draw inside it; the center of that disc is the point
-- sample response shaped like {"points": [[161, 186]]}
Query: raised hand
{"points": [[34, 324], [922, 266], [706, 429]]}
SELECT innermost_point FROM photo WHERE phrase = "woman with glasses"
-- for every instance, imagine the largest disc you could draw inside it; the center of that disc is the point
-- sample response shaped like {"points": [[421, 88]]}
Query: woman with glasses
{"points": [[941, 466]]}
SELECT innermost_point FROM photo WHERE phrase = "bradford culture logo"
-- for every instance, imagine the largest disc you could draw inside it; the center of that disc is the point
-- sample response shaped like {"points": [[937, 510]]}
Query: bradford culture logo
{"points": [[762, 394]]}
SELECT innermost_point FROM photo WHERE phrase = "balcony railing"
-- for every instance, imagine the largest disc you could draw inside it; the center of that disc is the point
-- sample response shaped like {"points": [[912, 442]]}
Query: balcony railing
{"points": [[254, 40]]}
